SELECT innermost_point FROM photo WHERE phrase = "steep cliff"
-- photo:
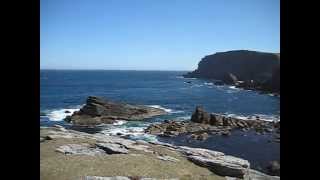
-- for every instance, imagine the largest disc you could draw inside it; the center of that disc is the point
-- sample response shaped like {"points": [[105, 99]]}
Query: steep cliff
{"points": [[259, 68]]}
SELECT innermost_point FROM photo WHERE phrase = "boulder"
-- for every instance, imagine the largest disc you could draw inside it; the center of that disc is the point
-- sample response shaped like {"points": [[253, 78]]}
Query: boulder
{"points": [[224, 166]]}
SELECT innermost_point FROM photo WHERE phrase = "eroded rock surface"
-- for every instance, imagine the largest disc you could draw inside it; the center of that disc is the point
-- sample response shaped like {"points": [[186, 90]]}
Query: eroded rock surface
{"points": [[217, 162]]}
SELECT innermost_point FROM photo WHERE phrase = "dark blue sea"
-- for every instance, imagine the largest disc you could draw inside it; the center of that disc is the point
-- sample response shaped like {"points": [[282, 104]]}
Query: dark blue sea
{"points": [[62, 90]]}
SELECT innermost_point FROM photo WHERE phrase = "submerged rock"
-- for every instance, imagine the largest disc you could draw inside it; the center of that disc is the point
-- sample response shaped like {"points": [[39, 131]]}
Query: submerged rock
{"points": [[98, 111], [201, 136]]}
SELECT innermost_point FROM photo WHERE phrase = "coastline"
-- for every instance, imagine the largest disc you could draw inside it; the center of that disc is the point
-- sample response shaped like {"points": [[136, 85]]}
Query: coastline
{"points": [[223, 100]]}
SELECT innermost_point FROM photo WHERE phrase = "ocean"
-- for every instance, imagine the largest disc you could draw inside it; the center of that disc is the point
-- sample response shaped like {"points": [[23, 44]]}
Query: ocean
{"points": [[62, 90]]}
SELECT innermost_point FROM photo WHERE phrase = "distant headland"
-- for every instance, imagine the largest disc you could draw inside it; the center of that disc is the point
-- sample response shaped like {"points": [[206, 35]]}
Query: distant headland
{"points": [[242, 68]]}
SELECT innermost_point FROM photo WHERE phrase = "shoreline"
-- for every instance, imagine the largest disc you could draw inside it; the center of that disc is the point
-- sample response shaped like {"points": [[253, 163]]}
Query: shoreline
{"points": [[98, 120]]}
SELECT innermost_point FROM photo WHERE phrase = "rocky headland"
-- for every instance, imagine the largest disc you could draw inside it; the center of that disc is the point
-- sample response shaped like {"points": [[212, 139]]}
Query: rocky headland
{"points": [[101, 111], [242, 68]]}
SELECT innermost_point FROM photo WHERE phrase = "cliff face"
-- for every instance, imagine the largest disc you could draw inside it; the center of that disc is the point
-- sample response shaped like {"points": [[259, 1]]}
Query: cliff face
{"points": [[241, 65]]}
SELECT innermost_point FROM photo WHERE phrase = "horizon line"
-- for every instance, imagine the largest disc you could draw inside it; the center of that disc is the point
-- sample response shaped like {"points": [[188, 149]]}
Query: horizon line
{"points": [[108, 69]]}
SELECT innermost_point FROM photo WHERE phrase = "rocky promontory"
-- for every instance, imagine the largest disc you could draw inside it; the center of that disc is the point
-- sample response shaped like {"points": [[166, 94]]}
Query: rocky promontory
{"points": [[243, 68], [98, 110]]}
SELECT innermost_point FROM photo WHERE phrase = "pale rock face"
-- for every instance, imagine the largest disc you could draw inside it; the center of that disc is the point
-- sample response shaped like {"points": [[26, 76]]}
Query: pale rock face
{"points": [[217, 162], [79, 149]]}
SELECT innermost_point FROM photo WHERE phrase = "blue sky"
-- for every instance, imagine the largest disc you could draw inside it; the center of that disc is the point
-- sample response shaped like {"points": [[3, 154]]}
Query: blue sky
{"points": [[152, 34]]}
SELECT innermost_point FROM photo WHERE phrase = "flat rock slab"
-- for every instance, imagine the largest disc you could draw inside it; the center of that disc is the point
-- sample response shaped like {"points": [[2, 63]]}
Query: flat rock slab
{"points": [[168, 158], [110, 148], [79, 149], [217, 162]]}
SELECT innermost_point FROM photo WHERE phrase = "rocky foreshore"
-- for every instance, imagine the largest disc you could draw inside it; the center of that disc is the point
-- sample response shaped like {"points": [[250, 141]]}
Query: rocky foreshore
{"points": [[69, 154], [102, 111], [203, 124]]}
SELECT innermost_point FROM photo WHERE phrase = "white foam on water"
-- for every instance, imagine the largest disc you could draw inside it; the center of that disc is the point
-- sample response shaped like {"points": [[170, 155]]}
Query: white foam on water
{"points": [[189, 78], [119, 122], [123, 130], [209, 84], [135, 133], [59, 115], [171, 111], [160, 107], [262, 117], [197, 85]]}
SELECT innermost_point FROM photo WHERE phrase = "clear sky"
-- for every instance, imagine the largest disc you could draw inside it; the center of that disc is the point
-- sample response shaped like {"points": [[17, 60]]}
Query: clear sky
{"points": [[152, 34]]}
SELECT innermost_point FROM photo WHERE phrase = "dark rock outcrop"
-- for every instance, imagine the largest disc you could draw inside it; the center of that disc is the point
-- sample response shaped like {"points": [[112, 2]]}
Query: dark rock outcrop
{"points": [[200, 116], [202, 124], [257, 70], [98, 110]]}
